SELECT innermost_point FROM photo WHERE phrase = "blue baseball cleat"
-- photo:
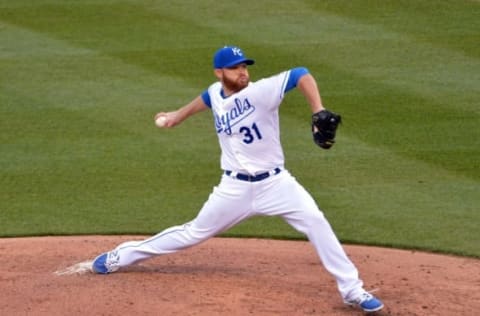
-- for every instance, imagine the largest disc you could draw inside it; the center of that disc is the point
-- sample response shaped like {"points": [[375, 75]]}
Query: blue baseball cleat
{"points": [[367, 302], [105, 263]]}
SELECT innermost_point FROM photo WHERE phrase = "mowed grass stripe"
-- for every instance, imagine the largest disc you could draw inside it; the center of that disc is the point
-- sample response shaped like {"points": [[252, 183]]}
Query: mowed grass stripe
{"points": [[452, 25]]}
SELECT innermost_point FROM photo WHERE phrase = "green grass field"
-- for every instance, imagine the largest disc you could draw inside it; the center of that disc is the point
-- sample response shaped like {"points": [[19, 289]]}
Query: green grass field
{"points": [[80, 82]]}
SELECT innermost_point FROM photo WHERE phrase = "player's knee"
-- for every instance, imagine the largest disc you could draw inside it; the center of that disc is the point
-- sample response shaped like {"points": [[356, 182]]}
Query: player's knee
{"points": [[198, 234], [315, 221]]}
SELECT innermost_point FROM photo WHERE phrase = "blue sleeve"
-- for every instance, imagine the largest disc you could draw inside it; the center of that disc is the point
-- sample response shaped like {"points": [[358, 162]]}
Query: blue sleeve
{"points": [[295, 75], [206, 98]]}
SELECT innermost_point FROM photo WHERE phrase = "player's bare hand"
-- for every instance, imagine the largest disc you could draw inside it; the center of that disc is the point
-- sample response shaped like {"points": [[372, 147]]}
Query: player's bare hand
{"points": [[165, 119]]}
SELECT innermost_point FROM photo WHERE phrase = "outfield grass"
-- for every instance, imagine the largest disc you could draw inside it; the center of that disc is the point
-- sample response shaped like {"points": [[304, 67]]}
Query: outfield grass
{"points": [[80, 82]]}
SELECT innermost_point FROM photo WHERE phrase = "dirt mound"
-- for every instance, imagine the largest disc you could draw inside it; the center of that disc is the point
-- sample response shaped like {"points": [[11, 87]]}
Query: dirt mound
{"points": [[227, 276]]}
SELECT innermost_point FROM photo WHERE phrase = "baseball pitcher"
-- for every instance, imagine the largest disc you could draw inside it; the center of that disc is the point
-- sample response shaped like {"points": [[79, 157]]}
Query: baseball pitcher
{"points": [[254, 180]]}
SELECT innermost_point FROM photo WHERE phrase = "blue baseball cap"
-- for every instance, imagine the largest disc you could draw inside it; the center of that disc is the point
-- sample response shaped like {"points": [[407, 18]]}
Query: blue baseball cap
{"points": [[230, 56]]}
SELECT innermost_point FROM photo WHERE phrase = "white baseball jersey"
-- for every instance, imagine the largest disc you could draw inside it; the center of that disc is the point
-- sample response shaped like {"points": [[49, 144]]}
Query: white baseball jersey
{"points": [[247, 125]]}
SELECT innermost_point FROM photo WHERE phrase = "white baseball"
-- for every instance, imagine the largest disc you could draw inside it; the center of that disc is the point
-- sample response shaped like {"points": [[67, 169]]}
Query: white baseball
{"points": [[160, 121]]}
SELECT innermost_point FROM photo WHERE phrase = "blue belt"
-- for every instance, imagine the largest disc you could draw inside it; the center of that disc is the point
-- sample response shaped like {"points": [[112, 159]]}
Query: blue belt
{"points": [[249, 178]]}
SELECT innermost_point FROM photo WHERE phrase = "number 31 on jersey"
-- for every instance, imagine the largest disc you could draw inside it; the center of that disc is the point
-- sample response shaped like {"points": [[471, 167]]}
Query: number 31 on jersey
{"points": [[250, 133]]}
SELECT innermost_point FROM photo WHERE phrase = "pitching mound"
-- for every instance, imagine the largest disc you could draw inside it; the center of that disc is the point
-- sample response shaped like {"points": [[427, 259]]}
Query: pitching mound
{"points": [[227, 277]]}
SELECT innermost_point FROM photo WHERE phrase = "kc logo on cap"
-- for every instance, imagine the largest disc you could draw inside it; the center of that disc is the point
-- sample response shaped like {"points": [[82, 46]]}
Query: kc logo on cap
{"points": [[230, 56], [237, 51]]}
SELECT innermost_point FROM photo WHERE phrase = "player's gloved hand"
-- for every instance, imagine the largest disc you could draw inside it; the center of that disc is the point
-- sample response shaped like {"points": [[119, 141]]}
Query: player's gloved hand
{"points": [[324, 127]]}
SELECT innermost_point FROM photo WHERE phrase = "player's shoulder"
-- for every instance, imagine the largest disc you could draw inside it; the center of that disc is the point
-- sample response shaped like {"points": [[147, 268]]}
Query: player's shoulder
{"points": [[275, 76], [273, 80], [216, 86]]}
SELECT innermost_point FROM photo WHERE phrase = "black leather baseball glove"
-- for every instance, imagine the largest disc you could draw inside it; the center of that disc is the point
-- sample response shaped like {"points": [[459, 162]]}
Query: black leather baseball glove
{"points": [[324, 127]]}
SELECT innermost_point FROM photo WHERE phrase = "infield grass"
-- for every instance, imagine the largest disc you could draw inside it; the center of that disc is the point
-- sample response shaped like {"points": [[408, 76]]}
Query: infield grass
{"points": [[80, 83]]}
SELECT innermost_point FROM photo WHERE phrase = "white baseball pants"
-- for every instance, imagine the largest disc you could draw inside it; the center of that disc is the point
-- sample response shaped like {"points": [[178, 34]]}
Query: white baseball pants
{"points": [[233, 201]]}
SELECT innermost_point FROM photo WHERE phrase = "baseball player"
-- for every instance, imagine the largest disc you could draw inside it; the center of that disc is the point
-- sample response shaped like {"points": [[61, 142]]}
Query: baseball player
{"points": [[254, 179]]}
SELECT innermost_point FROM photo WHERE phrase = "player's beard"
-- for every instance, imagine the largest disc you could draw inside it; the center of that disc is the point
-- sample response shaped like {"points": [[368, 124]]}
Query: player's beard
{"points": [[235, 85]]}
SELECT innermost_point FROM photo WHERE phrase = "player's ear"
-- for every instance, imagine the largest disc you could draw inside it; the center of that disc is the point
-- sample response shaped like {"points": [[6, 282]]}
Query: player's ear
{"points": [[218, 73]]}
